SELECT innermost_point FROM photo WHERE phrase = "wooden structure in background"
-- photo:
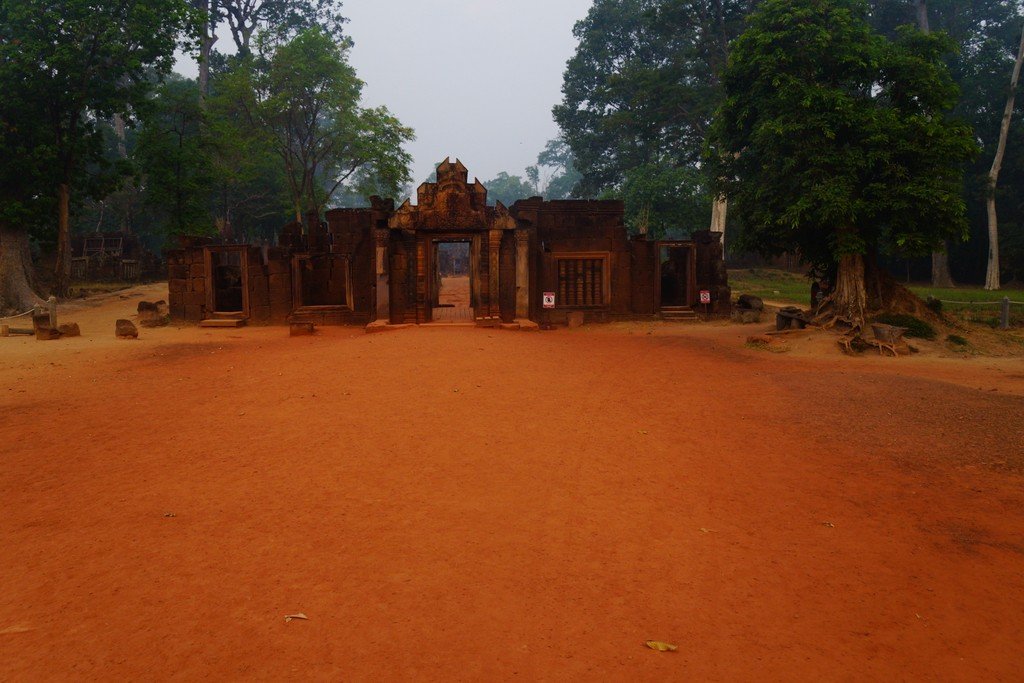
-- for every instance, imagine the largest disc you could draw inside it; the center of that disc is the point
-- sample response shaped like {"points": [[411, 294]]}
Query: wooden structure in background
{"points": [[383, 264]]}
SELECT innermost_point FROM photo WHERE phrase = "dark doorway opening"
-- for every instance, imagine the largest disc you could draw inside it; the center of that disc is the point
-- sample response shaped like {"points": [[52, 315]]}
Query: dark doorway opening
{"points": [[675, 276], [228, 281], [452, 281]]}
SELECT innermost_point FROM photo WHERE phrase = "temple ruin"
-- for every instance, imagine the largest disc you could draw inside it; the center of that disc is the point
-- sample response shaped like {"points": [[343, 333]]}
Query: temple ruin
{"points": [[451, 257]]}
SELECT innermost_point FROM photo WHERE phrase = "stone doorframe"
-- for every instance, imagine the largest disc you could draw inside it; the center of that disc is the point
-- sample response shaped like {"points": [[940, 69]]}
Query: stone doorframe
{"points": [[691, 269], [211, 290]]}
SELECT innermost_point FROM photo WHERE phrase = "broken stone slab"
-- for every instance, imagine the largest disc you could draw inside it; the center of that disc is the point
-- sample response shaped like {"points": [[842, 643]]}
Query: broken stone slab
{"points": [[125, 329], [42, 329], [69, 330], [301, 329], [574, 319], [153, 313], [750, 302]]}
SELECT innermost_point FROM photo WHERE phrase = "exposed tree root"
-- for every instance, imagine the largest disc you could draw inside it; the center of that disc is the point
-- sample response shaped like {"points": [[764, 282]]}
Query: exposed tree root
{"points": [[882, 294]]}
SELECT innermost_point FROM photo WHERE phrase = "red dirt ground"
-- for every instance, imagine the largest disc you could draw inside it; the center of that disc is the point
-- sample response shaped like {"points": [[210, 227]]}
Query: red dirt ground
{"points": [[453, 503]]}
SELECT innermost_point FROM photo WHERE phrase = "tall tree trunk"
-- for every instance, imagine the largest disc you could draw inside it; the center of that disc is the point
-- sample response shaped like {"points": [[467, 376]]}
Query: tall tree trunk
{"points": [[206, 41], [922, 15], [122, 145], [849, 299], [940, 258], [125, 194], [62, 272], [16, 273], [719, 212], [992, 274]]}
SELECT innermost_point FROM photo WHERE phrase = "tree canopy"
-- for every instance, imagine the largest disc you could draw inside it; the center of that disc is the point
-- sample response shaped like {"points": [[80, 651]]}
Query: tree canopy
{"points": [[833, 140], [71, 65], [303, 97]]}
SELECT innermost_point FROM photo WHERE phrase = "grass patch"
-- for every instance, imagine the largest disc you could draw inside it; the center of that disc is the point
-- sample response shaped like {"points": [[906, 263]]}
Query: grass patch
{"points": [[916, 328], [771, 285], [794, 288], [971, 294], [957, 340]]}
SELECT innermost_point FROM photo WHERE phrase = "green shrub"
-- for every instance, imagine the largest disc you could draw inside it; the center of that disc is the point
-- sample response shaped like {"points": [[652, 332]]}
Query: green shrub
{"points": [[915, 326], [957, 340]]}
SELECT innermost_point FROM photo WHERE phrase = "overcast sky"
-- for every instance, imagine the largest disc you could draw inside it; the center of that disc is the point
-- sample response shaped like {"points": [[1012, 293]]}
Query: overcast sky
{"points": [[476, 79]]}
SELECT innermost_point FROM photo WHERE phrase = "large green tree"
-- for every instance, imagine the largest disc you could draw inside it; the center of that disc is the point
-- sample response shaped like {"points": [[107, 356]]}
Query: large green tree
{"points": [[175, 154], [303, 98], [639, 95], [507, 189], [554, 176], [75, 63], [833, 141]]}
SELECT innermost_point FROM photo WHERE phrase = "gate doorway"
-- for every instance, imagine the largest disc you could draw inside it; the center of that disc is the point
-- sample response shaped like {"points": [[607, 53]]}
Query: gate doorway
{"points": [[452, 290], [227, 273], [676, 275]]}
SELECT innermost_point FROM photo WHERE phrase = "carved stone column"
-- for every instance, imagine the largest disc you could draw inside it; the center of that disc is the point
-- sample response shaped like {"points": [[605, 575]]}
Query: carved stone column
{"points": [[493, 254], [522, 274], [383, 285]]}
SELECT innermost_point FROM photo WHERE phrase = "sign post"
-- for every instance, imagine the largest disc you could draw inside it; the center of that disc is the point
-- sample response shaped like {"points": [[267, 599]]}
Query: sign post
{"points": [[549, 299], [705, 298]]}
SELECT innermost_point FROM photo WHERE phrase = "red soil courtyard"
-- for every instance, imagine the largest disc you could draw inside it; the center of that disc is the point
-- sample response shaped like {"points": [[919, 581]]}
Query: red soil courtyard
{"points": [[459, 503]]}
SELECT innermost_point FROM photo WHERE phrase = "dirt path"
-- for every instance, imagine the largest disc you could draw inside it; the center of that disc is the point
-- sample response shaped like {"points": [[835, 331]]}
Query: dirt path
{"points": [[451, 504]]}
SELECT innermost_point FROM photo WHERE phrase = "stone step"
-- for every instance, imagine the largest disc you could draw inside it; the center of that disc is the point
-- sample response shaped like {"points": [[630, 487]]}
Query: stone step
{"points": [[222, 322]]}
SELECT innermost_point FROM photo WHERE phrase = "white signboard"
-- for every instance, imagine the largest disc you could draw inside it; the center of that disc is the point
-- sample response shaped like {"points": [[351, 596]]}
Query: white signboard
{"points": [[705, 296], [549, 299]]}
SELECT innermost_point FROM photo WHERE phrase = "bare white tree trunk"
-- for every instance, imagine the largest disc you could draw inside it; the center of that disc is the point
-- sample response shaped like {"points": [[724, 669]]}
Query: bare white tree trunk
{"points": [[992, 275], [922, 15], [719, 213]]}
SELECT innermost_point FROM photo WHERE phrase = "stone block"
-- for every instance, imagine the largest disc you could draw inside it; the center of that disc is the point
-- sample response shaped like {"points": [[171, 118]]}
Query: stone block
{"points": [[177, 272], [259, 295], [301, 329], [280, 266], [177, 286], [197, 270], [194, 298], [280, 284], [125, 329], [574, 319], [198, 285], [193, 313], [69, 330], [261, 314]]}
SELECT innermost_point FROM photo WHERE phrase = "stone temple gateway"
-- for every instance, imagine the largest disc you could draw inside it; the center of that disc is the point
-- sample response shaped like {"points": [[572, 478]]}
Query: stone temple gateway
{"points": [[451, 256]]}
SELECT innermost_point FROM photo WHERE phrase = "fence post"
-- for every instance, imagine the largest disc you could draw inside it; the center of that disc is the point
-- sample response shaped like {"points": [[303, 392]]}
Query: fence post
{"points": [[1005, 317], [51, 304]]}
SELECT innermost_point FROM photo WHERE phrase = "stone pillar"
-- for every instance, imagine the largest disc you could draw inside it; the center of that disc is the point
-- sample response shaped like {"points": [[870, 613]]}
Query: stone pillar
{"points": [[522, 274], [493, 254], [381, 270]]}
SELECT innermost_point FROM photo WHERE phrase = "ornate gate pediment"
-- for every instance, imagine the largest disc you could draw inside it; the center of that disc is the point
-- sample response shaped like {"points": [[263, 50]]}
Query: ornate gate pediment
{"points": [[452, 203]]}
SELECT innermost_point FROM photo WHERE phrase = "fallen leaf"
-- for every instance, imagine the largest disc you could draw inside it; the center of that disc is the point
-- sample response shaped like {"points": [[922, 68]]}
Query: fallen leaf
{"points": [[830, 525], [300, 615], [10, 630], [661, 646]]}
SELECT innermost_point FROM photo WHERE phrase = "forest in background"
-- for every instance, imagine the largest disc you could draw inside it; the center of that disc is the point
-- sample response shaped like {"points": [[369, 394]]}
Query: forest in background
{"points": [[102, 136], [643, 88]]}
